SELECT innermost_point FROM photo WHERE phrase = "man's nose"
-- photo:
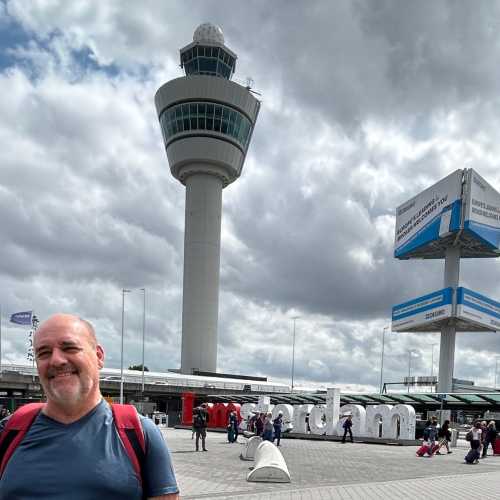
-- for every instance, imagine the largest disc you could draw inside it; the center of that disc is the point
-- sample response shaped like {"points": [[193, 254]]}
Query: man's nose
{"points": [[58, 357]]}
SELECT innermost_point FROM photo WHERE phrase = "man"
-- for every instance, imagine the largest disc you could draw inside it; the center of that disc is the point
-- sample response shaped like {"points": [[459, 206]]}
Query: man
{"points": [[72, 449], [278, 424], [347, 425], [200, 423], [233, 427]]}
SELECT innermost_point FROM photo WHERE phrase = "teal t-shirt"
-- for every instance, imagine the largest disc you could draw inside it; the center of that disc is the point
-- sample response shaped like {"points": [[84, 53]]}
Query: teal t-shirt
{"points": [[85, 460]]}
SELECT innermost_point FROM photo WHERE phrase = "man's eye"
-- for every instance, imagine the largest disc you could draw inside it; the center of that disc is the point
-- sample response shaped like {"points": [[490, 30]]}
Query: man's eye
{"points": [[42, 354], [72, 349]]}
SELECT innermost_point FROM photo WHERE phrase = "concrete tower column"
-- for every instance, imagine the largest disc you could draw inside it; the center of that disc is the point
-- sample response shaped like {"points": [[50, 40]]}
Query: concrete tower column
{"points": [[448, 333], [200, 303]]}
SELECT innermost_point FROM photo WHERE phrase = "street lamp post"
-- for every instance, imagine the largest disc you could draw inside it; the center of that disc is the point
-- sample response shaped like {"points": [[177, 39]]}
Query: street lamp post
{"points": [[293, 348], [432, 360], [143, 337], [124, 291], [382, 360], [410, 352], [496, 371]]}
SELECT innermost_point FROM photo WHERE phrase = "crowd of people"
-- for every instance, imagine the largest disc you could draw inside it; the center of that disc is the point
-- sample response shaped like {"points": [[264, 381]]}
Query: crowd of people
{"points": [[262, 424], [481, 436]]}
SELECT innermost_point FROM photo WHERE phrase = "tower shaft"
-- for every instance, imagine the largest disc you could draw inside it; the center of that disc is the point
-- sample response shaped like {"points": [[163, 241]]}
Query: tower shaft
{"points": [[200, 303]]}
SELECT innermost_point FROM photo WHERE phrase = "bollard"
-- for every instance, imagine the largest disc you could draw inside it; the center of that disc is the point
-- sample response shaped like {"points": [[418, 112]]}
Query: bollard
{"points": [[454, 438], [270, 466], [251, 447]]}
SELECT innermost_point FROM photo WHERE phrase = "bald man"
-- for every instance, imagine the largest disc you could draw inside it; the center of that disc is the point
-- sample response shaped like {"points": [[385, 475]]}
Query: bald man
{"points": [[73, 449]]}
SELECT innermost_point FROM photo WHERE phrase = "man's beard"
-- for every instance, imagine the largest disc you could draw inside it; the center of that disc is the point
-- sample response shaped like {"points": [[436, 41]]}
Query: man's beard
{"points": [[69, 393]]}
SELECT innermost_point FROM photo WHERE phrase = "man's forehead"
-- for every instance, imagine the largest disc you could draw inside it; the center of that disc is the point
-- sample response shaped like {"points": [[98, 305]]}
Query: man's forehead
{"points": [[73, 331]]}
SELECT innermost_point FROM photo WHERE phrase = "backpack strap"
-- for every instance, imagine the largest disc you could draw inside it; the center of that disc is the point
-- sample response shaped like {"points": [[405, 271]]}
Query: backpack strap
{"points": [[15, 429], [129, 428]]}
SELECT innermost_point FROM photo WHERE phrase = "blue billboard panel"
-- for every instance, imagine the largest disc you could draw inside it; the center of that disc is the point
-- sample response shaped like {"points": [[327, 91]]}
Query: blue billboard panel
{"points": [[479, 309], [428, 217], [482, 211], [422, 313]]}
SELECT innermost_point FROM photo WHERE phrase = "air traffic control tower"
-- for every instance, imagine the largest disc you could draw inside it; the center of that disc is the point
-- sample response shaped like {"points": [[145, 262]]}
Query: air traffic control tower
{"points": [[207, 123]]}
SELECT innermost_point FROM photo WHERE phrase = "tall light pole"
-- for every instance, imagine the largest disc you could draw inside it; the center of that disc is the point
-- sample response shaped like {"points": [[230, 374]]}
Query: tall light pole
{"points": [[496, 370], [382, 360], [143, 336], [124, 291], [295, 318], [432, 359], [410, 352]]}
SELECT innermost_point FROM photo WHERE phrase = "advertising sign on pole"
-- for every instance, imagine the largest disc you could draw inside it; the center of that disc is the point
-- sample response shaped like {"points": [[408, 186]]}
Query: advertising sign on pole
{"points": [[431, 215], [421, 313], [482, 210], [476, 308]]}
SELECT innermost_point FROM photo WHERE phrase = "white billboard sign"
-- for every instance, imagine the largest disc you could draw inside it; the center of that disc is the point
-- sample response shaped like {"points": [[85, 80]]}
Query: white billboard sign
{"points": [[476, 308], [432, 214], [482, 210], [422, 311]]}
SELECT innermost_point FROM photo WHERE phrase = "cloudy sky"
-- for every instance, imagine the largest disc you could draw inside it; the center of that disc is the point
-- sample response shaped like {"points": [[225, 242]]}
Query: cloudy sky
{"points": [[364, 104]]}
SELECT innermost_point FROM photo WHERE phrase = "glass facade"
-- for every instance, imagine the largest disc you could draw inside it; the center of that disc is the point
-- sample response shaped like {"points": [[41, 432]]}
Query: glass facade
{"points": [[207, 60], [208, 116]]}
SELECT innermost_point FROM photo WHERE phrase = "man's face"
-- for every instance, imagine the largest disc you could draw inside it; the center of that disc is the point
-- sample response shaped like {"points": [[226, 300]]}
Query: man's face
{"points": [[68, 360]]}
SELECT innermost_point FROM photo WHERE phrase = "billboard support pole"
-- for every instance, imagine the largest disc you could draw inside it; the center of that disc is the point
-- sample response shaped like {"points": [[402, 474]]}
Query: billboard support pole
{"points": [[448, 332]]}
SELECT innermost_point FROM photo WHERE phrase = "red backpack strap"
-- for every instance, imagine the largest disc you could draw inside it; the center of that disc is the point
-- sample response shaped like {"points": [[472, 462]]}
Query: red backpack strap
{"points": [[15, 429], [129, 428]]}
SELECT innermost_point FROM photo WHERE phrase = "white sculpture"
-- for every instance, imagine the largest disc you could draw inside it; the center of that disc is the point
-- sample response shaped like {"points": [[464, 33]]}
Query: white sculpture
{"points": [[376, 416], [251, 447], [300, 413], [398, 422], [270, 466], [287, 411], [358, 413]]}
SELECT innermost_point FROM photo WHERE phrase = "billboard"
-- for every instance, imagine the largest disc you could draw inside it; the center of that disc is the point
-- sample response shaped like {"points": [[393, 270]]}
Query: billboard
{"points": [[431, 215], [476, 308], [422, 313], [482, 210]]}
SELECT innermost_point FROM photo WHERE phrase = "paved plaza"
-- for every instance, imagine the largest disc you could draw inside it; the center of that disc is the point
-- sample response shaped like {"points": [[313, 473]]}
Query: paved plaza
{"points": [[330, 470]]}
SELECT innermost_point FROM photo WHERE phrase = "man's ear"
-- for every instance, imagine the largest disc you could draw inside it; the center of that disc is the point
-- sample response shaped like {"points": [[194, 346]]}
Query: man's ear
{"points": [[100, 356]]}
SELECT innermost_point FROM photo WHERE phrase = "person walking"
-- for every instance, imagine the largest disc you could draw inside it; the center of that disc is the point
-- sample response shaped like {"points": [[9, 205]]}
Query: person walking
{"points": [[490, 438], [74, 445], [259, 425], [444, 437], [200, 424], [474, 437], [267, 434], [278, 424], [347, 425], [232, 428]]}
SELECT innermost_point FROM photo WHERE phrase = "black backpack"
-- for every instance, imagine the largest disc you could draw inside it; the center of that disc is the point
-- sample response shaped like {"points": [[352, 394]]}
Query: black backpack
{"points": [[199, 420]]}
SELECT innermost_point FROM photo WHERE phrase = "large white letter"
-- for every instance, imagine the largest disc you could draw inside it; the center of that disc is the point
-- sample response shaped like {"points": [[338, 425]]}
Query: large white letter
{"points": [[358, 413], [406, 416], [332, 410], [264, 405], [299, 418], [287, 411], [317, 419], [375, 414]]}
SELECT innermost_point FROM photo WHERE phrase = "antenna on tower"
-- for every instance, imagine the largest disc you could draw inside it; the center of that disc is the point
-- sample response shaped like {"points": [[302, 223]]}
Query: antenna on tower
{"points": [[249, 83]]}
